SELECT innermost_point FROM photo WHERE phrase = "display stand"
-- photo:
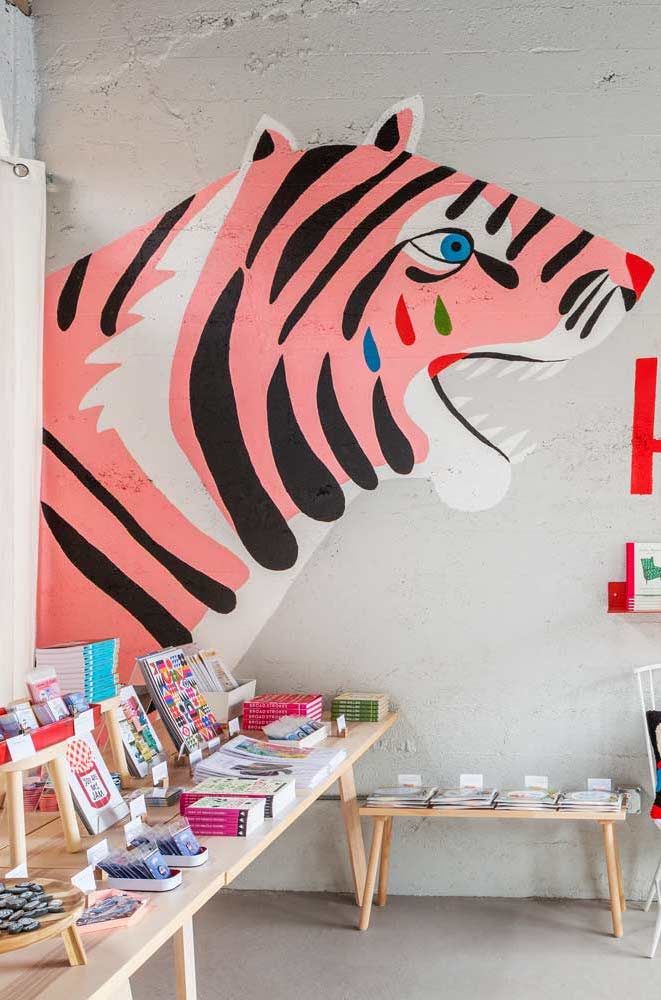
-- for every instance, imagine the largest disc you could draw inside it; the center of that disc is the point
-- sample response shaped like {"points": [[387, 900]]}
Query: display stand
{"points": [[53, 758], [53, 925]]}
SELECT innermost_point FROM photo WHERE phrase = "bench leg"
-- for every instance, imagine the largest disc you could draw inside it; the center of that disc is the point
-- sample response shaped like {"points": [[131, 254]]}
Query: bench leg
{"points": [[16, 819], [613, 879], [384, 867], [620, 882], [184, 961], [373, 864], [74, 946], [354, 832]]}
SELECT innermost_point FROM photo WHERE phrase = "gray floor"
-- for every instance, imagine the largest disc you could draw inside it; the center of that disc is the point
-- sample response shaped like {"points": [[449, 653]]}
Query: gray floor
{"points": [[284, 945]]}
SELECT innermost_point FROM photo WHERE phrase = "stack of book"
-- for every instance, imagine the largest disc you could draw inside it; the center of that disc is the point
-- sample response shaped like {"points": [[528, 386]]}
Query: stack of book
{"points": [[599, 801], [208, 670], [643, 570], [244, 757], [215, 816], [90, 667], [401, 797], [277, 793], [357, 707], [185, 713], [265, 708], [527, 798], [464, 798]]}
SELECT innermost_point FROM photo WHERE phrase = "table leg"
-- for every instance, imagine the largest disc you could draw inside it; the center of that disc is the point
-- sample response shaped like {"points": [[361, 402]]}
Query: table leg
{"points": [[620, 882], [115, 737], [123, 991], [384, 867], [370, 880], [74, 946], [354, 832], [16, 819], [58, 772], [184, 961], [613, 882]]}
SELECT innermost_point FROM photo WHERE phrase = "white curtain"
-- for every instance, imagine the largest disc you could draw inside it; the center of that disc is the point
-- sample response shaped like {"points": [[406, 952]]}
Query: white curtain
{"points": [[22, 262]]}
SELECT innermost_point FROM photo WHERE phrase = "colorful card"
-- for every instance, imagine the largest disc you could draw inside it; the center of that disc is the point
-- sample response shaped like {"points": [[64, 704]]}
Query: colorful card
{"points": [[141, 744], [95, 795]]}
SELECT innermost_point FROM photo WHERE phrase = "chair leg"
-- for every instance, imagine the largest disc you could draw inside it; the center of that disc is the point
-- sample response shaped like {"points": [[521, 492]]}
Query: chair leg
{"points": [[657, 927], [653, 886]]}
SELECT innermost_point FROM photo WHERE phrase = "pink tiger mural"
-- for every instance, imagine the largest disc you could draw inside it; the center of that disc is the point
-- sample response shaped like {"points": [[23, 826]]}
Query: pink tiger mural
{"points": [[221, 382]]}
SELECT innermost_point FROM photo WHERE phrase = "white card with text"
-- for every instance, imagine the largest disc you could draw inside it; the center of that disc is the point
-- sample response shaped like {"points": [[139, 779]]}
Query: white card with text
{"points": [[21, 747], [537, 781], [471, 781], [20, 871], [98, 852], [599, 785], [409, 780], [84, 880], [84, 723], [137, 807]]}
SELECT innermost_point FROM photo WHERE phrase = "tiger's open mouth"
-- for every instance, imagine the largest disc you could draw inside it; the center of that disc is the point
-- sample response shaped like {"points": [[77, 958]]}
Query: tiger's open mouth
{"points": [[508, 445]]}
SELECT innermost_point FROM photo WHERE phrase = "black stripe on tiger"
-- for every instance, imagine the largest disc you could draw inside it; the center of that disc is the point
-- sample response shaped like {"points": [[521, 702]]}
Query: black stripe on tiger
{"points": [[589, 326], [573, 319], [364, 290], [150, 245], [104, 574], [540, 219], [465, 199], [339, 435], [497, 218], [379, 215], [307, 237], [566, 255], [312, 487], [67, 304], [395, 447], [215, 595], [259, 524], [312, 165]]}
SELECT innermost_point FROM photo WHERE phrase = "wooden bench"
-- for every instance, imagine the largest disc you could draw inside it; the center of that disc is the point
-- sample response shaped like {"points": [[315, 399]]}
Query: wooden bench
{"points": [[382, 821]]}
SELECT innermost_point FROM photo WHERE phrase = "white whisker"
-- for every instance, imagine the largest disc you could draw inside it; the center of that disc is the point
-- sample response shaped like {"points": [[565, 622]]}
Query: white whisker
{"points": [[532, 370], [491, 432], [555, 369], [477, 420], [484, 367], [514, 366], [465, 364], [510, 443], [460, 401], [515, 459]]}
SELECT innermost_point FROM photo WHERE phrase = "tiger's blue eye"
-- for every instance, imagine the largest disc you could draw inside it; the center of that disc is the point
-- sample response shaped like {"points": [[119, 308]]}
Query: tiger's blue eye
{"points": [[455, 248]]}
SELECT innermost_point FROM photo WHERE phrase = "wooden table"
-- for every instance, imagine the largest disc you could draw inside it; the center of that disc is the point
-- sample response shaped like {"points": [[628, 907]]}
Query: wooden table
{"points": [[382, 819], [115, 956]]}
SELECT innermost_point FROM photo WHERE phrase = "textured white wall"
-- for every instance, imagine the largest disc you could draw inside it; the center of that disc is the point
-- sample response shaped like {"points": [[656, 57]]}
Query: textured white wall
{"points": [[18, 90], [490, 629]]}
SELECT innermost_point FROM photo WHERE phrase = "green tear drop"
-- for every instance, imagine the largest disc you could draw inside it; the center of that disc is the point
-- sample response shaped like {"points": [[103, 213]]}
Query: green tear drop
{"points": [[442, 320]]}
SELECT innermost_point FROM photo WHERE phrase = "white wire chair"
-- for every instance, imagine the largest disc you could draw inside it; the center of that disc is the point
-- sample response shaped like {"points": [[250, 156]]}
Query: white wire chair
{"points": [[645, 677]]}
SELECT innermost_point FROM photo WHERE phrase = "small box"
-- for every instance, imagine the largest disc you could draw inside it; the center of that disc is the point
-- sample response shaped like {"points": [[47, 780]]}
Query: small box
{"points": [[227, 705]]}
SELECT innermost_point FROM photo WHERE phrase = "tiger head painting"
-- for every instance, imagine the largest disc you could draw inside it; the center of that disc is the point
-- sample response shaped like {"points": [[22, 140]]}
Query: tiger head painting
{"points": [[221, 382]]}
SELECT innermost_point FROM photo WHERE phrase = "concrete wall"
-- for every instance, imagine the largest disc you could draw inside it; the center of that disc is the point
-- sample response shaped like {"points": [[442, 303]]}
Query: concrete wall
{"points": [[489, 629], [18, 90]]}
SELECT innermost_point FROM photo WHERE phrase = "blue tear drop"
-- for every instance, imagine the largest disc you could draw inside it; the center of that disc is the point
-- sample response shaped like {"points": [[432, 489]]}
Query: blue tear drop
{"points": [[371, 352]]}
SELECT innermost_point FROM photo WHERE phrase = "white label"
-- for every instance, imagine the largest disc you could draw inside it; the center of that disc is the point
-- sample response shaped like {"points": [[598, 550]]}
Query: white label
{"points": [[137, 807], [471, 781], [84, 723], [233, 726], [341, 724], [537, 781], [158, 792], [20, 746], [159, 772], [195, 756], [599, 785], [98, 852], [410, 780], [131, 829], [84, 880], [20, 871], [213, 744]]}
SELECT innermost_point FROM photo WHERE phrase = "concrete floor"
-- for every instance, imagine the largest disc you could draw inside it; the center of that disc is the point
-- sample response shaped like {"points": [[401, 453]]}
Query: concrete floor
{"points": [[284, 945]]}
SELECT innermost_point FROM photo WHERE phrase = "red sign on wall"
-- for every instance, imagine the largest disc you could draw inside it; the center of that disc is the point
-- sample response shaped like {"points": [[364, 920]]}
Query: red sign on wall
{"points": [[643, 443]]}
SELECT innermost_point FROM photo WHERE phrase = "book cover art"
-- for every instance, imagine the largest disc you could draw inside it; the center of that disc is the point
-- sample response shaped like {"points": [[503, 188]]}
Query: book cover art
{"points": [[184, 710], [141, 744]]}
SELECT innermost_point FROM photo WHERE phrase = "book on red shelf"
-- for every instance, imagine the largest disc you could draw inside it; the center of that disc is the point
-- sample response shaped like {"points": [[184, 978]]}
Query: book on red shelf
{"points": [[265, 708], [643, 570], [216, 815], [277, 793]]}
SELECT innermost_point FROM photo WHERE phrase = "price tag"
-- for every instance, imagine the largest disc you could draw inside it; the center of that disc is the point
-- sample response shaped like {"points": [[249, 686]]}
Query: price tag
{"points": [[137, 807], [599, 785], [195, 756], [84, 880], [20, 746], [131, 830], [20, 871], [410, 780], [471, 781], [233, 726], [537, 781], [84, 723], [213, 744], [97, 853], [341, 724], [159, 772]]}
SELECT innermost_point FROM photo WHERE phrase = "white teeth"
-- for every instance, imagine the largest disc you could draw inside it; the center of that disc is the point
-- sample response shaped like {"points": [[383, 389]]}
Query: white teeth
{"points": [[491, 432], [465, 364], [532, 370], [460, 401], [480, 418], [555, 368], [510, 443], [514, 366], [484, 367], [515, 459]]}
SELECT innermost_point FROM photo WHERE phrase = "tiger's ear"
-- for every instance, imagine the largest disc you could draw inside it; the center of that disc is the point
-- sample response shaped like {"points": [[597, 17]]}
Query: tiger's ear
{"points": [[268, 138], [398, 129]]}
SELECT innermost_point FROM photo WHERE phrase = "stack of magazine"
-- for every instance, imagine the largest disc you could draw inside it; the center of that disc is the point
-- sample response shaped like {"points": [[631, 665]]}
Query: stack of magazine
{"points": [[593, 799], [244, 757], [528, 798], [90, 667], [464, 798], [402, 796]]}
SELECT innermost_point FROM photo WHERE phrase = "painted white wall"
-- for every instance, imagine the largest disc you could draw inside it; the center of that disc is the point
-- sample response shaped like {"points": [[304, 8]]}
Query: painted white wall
{"points": [[18, 90], [488, 629]]}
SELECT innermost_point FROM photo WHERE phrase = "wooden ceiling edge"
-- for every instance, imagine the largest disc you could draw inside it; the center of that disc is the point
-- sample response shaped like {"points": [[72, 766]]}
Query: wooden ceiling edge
{"points": [[25, 6]]}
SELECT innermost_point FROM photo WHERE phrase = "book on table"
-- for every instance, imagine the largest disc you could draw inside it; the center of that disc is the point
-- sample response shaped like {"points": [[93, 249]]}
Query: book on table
{"points": [[90, 667], [401, 796], [464, 798], [527, 798], [277, 793], [591, 800], [244, 757], [181, 705], [265, 708], [216, 816], [358, 706]]}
